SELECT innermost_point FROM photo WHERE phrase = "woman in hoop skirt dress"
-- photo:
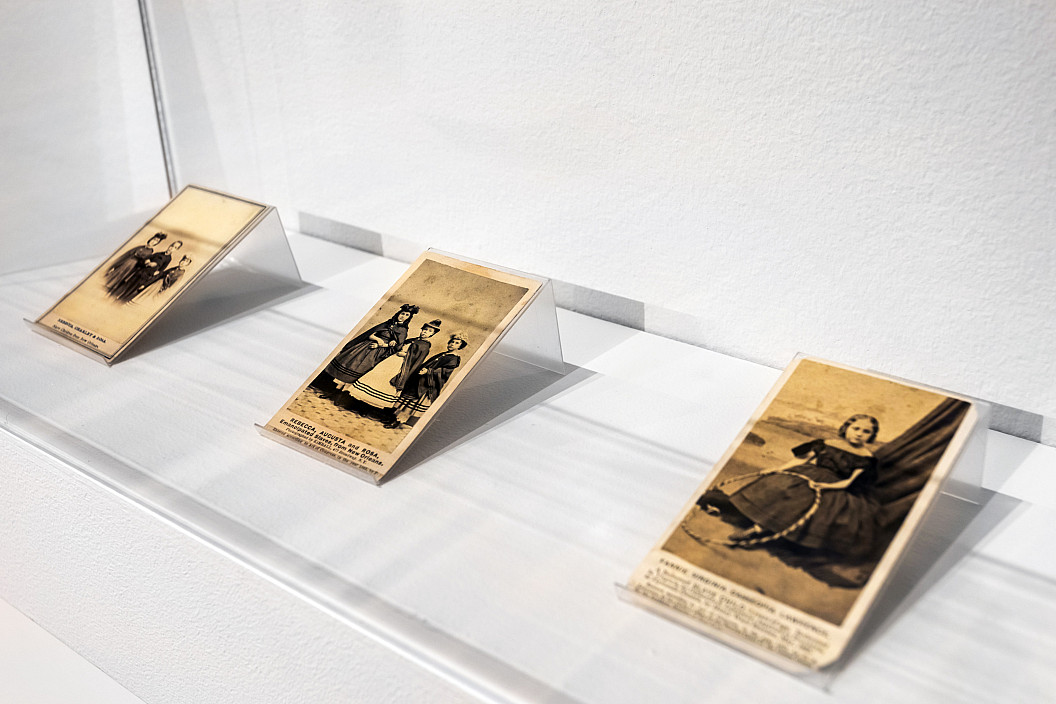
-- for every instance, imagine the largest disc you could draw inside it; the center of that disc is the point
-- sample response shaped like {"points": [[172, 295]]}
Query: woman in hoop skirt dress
{"points": [[381, 386], [363, 352], [844, 471]]}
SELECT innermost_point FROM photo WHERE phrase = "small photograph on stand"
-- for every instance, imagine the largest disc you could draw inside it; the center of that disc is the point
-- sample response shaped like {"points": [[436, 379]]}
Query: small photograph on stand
{"points": [[794, 531], [366, 403], [124, 295]]}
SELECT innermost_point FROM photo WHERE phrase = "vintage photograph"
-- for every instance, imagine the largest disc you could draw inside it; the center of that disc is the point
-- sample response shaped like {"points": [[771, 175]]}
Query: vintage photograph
{"points": [[128, 291], [805, 506], [387, 378]]}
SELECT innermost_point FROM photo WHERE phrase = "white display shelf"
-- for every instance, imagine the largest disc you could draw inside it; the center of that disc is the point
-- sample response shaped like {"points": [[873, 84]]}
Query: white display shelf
{"points": [[491, 563]]}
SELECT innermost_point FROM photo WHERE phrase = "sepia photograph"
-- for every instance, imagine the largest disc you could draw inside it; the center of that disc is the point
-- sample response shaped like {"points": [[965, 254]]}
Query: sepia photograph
{"points": [[381, 385], [130, 289], [804, 508]]}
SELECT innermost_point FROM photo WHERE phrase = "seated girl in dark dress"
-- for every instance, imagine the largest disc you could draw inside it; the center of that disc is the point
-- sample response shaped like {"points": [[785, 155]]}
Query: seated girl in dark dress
{"points": [[821, 500]]}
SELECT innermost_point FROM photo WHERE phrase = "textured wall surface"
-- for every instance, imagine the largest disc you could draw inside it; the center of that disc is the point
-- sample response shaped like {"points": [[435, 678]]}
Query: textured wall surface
{"points": [[870, 182], [81, 164]]}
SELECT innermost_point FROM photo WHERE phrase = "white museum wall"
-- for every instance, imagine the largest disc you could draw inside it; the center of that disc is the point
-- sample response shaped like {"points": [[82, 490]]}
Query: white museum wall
{"points": [[82, 164], [869, 182]]}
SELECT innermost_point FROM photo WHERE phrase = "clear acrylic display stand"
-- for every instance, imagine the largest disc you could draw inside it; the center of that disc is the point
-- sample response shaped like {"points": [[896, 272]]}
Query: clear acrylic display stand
{"points": [[257, 271], [939, 541], [533, 337], [529, 347], [526, 358]]}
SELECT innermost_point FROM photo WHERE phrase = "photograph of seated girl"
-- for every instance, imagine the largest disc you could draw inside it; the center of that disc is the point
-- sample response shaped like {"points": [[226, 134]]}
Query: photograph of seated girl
{"points": [[810, 531], [362, 353], [822, 499], [425, 385]]}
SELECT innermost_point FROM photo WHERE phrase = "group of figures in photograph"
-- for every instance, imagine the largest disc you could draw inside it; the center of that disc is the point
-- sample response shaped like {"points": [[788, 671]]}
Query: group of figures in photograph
{"points": [[144, 271], [376, 392], [381, 374], [126, 294]]}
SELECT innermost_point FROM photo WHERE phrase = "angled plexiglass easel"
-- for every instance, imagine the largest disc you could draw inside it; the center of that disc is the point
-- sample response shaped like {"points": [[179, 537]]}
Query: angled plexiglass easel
{"points": [[525, 358], [258, 269], [940, 540]]}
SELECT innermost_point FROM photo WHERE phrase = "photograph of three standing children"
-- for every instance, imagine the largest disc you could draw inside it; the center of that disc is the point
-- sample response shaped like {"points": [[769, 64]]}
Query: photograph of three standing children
{"points": [[386, 375]]}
